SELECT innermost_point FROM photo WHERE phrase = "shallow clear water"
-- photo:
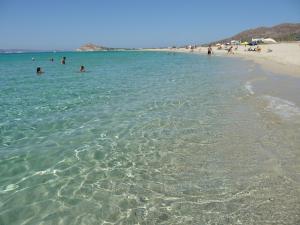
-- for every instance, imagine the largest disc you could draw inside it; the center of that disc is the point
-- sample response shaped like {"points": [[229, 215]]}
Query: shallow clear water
{"points": [[144, 137]]}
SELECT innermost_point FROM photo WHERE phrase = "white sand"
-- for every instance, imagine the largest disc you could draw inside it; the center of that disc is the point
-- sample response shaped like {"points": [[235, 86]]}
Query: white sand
{"points": [[284, 58]]}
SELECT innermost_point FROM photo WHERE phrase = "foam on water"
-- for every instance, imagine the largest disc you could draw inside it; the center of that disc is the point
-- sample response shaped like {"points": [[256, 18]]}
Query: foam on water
{"points": [[249, 88], [283, 108]]}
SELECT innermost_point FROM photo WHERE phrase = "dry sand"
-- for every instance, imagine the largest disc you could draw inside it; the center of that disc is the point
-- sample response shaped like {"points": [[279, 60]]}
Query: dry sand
{"points": [[284, 57]]}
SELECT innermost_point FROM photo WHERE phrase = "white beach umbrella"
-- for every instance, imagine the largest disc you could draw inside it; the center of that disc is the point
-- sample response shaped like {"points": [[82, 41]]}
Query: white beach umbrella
{"points": [[269, 41]]}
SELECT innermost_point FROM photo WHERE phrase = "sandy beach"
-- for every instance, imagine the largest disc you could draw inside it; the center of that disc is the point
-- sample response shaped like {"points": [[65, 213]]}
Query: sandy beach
{"points": [[284, 58]]}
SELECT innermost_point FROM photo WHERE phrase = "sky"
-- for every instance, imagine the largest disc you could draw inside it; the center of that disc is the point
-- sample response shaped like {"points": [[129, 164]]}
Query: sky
{"points": [[68, 24]]}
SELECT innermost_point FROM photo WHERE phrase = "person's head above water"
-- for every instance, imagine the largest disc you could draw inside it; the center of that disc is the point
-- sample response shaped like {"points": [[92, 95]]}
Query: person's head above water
{"points": [[82, 69], [39, 70]]}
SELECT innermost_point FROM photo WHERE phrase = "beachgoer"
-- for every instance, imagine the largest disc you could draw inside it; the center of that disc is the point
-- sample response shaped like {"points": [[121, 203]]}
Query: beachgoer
{"points": [[63, 61], [51, 59], [209, 50], [39, 70], [258, 49], [82, 69], [229, 51], [33, 59]]}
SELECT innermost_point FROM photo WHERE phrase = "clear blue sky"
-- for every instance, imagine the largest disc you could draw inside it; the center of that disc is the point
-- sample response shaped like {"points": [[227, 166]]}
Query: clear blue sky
{"points": [[67, 24]]}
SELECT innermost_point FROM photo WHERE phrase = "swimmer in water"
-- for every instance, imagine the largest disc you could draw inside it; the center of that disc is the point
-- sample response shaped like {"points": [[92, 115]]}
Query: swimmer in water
{"points": [[82, 69], [39, 71], [51, 59], [63, 61]]}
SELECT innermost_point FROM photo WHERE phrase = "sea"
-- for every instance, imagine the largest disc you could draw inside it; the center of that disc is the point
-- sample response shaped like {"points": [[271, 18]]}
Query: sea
{"points": [[147, 138]]}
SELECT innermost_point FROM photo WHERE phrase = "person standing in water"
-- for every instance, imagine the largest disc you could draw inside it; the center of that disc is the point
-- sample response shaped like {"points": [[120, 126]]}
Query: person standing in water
{"points": [[82, 69], [63, 61], [209, 50]]}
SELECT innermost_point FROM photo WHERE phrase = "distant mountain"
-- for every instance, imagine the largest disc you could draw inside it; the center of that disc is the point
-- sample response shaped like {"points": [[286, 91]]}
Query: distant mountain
{"points": [[92, 48], [281, 32]]}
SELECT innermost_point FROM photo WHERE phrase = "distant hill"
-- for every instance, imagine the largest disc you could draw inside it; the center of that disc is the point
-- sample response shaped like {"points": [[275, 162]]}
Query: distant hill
{"points": [[95, 48], [281, 32], [92, 48]]}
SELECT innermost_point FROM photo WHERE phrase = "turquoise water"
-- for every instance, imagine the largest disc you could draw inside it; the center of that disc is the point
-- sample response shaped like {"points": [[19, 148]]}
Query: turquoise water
{"points": [[144, 138]]}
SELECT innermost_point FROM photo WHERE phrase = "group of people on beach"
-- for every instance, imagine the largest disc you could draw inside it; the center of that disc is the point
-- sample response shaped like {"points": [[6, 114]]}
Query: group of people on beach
{"points": [[231, 48], [39, 70]]}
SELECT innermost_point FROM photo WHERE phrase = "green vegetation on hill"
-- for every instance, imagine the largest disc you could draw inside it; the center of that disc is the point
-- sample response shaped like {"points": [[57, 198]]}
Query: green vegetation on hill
{"points": [[281, 32]]}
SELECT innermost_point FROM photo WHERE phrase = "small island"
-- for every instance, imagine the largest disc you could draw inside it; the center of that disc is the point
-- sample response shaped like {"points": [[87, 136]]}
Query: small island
{"points": [[92, 48]]}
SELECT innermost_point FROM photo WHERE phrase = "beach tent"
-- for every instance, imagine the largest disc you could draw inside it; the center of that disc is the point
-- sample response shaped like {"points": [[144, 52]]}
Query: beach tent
{"points": [[257, 40], [269, 41], [234, 42], [253, 43], [218, 44]]}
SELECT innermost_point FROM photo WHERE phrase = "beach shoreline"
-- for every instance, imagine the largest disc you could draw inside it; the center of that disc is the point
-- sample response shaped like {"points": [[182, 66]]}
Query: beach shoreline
{"points": [[284, 58], [275, 79]]}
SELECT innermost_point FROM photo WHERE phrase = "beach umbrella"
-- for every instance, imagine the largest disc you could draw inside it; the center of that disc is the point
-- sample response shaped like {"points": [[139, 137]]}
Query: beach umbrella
{"points": [[245, 43], [269, 41], [218, 44]]}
